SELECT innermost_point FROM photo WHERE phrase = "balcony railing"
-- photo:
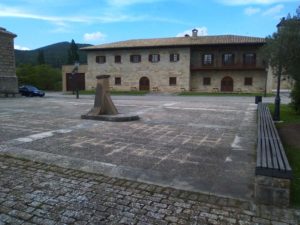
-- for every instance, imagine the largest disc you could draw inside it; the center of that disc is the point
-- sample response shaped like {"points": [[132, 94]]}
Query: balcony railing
{"points": [[237, 66]]}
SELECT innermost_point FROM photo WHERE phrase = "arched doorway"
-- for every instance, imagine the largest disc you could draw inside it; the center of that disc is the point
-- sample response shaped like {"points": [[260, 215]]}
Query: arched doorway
{"points": [[227, 84], [144, 84]]}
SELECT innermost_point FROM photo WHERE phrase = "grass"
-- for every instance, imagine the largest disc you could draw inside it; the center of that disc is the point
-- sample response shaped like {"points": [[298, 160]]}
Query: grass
{"points": [[188, 93], [288, 116]]}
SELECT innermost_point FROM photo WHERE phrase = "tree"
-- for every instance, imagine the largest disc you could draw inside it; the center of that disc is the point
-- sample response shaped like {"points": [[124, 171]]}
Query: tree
{"points": [[73, 55], [41, 57], [283, 52]]}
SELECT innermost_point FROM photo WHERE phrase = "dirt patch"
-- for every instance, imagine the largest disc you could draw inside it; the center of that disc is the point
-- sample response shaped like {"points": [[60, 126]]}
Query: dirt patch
{"points": [[290, 134]]}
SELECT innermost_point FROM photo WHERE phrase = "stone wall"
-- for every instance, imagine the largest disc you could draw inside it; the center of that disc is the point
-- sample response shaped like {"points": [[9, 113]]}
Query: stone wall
{"points": [[272, 191], [8, 79], [130, 73], [258, 80]]}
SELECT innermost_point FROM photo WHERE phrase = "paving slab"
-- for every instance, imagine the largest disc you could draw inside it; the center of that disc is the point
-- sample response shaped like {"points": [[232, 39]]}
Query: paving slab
{"points": [[202, 144]]}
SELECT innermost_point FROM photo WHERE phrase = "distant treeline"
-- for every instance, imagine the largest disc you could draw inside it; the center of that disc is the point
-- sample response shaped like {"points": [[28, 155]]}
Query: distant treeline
{"points": [[54, 55]]}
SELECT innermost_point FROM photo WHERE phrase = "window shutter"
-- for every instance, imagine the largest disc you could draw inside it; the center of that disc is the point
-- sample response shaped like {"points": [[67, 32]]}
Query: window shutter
{"points": [[150, 58], [97, 59], [172, 57], [131, 58]]}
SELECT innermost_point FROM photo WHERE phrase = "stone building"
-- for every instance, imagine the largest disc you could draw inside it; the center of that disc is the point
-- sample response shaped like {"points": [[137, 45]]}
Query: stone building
{"points": [[224, 63], [8, 78]]}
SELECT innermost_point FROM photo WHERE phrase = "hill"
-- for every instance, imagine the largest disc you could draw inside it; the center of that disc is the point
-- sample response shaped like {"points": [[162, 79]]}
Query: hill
{"points": [[55, 54]]}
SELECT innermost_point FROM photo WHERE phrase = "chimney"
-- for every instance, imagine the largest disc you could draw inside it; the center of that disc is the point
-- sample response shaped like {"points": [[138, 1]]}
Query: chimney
{"points": [[195, 33]]}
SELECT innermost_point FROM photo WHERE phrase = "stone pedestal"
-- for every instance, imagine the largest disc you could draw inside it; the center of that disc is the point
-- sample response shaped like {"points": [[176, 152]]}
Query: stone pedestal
{"points": [[272, 191], [104, 109], [8, 78]]}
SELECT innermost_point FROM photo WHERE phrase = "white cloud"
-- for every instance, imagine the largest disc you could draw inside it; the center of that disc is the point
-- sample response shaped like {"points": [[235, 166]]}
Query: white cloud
{"points": [[18, 47], [274, 10], [94, 36], [254, 2], [202, 31], [251, 11]]}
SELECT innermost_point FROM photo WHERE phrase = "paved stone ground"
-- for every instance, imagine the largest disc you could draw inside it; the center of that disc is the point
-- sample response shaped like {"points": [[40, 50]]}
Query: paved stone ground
{"points": [[37, 193], [204, 144]]}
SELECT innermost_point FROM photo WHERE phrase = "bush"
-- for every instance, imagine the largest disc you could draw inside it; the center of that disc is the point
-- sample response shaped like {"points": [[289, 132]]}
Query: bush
{"points": [[295, 95]]}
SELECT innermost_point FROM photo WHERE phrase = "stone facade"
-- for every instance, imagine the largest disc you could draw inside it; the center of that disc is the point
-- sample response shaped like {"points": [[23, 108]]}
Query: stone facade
{"points": [[8, 79], [272, 191], [186, 74], [130, 73]]}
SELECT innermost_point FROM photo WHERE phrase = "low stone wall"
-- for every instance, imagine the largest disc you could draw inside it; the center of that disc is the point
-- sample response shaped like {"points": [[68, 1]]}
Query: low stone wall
{"points": [[272, 191]]}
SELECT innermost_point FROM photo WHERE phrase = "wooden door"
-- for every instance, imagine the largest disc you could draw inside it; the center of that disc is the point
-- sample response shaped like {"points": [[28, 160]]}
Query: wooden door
{"points": [[75, 81], [144, 84], [227, 84]]}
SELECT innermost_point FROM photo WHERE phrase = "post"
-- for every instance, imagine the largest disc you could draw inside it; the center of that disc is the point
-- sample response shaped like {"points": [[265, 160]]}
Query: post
{"points": [[277, 98], [75, 79]]}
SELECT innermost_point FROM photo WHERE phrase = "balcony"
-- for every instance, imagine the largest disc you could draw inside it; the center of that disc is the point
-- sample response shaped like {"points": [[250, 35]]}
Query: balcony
{"points": [[237, 66]]}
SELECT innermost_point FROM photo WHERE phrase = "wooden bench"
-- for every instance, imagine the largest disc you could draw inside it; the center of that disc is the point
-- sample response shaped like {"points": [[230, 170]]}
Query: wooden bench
{"points": [[273, 171], [271, 157]]}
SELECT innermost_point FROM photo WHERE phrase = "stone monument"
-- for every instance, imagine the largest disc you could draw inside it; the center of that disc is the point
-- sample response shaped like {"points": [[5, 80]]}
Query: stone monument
{"points": [[104, 108], [8, 78]]}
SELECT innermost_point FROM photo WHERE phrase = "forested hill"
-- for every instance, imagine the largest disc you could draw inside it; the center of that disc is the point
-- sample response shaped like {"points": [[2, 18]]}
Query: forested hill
{"points": [[55, 54]]}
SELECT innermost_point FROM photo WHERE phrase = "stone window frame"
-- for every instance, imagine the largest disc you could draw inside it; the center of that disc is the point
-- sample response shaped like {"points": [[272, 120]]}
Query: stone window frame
{"points": [[154, 58], [172, 81], [248, 81], [206, 81], [174, 57], [206, 61], [118, 81], [249, 58], [118, 59], [101, 59], [135, 58], [228, 59]]}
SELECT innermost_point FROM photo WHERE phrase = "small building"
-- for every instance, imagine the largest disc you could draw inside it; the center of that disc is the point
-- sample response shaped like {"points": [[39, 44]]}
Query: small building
{"points": [[223, 63], [8, 78]]}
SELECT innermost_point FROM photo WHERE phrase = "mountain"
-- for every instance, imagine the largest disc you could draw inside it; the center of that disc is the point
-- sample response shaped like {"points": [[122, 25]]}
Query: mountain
{"points": [[55, 54]]}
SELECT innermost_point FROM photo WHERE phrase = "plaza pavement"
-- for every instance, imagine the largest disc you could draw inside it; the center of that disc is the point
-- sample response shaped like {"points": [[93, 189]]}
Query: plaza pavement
{"points": [[201, 144]]}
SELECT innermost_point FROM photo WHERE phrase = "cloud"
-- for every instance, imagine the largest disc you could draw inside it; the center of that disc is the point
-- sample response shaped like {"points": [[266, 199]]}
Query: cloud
{"points": [[274, 10], [202, 31], [94, 36], [254, 2], [251, 11], [18, 47]]}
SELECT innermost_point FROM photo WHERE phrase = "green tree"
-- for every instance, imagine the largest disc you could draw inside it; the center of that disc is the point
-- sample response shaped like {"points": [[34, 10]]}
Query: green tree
{"points": [[73, 55], [43, 76], [41, 57], [283, 52]]}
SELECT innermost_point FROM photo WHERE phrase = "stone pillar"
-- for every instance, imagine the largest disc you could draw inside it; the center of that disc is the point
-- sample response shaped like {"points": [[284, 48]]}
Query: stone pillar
{"points": [[8, 78], [272, 191]]}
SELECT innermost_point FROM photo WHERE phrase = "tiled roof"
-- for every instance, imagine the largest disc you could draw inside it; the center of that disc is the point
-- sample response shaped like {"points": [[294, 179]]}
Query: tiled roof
{"points": [[179, 41], [4, 31]]}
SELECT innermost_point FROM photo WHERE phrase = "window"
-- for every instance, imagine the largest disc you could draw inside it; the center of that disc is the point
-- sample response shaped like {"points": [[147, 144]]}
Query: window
{"points": [[249, 59], [100, 59], [117, 59], [207, 59], [154, 58], [228, 59], [248, 81], [117, 80], [172, 81], [174, 57], [206, 80], [135, 58]]}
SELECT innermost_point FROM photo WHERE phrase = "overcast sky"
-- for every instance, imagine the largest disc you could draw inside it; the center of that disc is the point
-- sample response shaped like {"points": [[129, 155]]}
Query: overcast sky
{"points": [[42, 22]]}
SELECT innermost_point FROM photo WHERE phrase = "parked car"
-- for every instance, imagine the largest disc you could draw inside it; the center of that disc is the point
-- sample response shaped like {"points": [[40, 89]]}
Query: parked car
{"points": [[28, 90]]}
